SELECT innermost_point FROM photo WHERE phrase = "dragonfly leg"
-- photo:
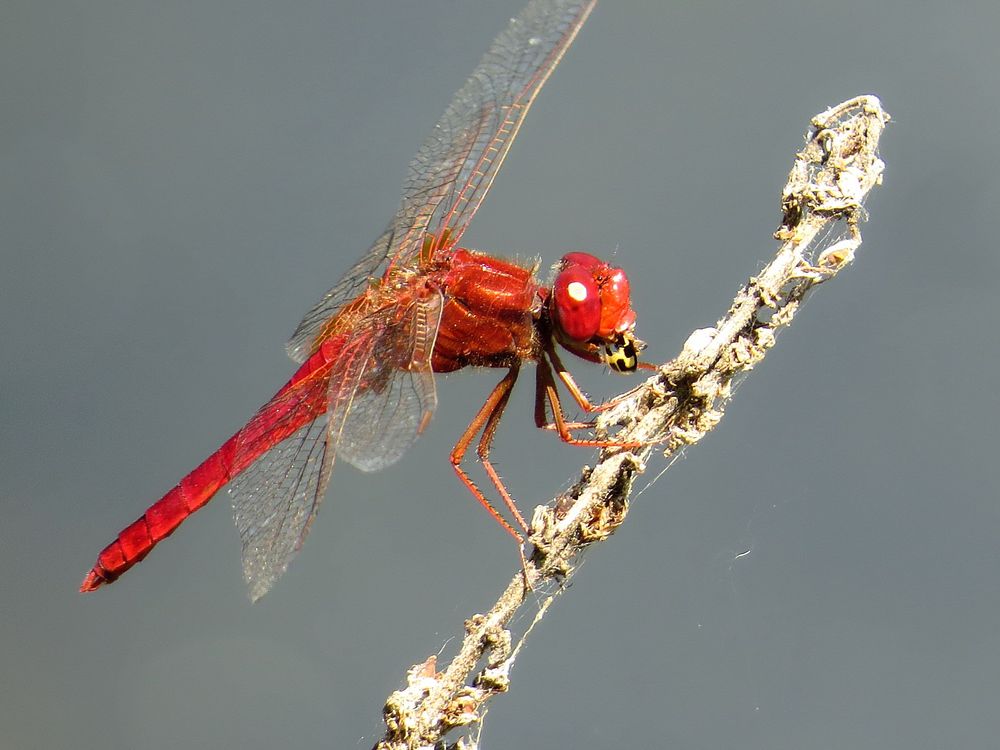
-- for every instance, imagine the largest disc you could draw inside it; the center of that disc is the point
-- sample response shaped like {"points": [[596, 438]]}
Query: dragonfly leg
{"points": [[577, 393], [487, 420], [541, 414], [546, 391], [486, 441]]}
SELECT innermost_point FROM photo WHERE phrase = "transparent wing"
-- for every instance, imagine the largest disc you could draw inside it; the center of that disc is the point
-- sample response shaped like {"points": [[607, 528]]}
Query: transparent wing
{"points": [[378, 394], [274, 503], [279, 483], [373, 429], [456, 165], [369, 267]]}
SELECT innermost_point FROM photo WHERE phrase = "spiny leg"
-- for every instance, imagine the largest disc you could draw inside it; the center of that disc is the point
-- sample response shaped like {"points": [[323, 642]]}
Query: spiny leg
{"points": [[577, 393], [483, 451], [486, 420], [541, 419], [546, 382], [541, 414]]}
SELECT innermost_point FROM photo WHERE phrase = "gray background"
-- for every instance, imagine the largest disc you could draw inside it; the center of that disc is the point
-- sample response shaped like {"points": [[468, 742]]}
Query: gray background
{"points": [[180, 181]]}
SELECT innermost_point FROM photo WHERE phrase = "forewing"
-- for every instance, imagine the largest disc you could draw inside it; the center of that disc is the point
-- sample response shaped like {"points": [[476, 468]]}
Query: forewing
{"points": [[455, 167]]}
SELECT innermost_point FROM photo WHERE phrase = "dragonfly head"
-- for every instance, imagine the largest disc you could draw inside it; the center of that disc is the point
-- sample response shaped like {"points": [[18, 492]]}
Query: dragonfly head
{"points": [[592, 313]]}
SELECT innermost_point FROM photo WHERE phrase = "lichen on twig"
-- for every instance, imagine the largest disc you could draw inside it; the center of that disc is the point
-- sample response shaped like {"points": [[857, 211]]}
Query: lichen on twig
{"points": [[822, 208]]}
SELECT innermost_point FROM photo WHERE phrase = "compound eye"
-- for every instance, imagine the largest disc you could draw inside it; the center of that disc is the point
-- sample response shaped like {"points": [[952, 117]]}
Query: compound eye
{"points": [[577, 303], [616, 306]]}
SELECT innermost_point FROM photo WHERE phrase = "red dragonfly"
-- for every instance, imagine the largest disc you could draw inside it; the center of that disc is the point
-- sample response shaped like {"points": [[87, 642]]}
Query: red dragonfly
{"points": [[415, 304]]}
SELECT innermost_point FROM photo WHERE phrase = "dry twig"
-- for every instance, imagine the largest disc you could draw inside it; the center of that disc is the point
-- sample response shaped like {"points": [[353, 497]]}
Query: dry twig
{"points": [[822, 206]]}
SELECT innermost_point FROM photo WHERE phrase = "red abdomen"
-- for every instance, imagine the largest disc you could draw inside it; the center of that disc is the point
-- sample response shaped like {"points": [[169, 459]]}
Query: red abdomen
{"points": [[273, 423]]}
